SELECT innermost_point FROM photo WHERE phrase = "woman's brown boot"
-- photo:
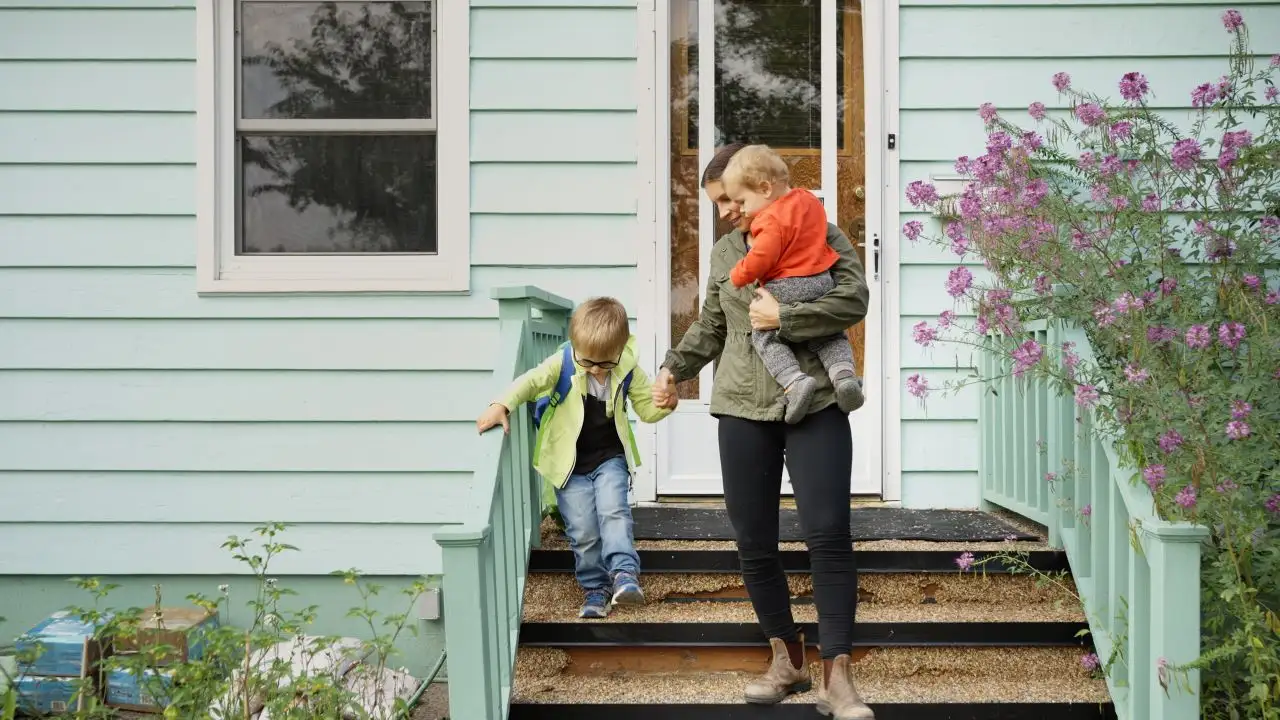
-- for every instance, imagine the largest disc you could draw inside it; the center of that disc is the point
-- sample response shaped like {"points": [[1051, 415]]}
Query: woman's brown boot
{"points": [[783, 677], [837, 696]]}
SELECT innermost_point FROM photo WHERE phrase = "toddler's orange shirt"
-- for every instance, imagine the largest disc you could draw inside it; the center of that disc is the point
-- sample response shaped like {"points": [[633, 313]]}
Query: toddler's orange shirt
{"points": [[788, 239]]}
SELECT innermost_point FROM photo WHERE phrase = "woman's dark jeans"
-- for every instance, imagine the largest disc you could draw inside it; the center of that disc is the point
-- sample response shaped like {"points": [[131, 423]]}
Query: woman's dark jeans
{"points": [[819, 457]]}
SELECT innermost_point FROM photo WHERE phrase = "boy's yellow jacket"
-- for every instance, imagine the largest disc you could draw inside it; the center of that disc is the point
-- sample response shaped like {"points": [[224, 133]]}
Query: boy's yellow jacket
{"points": [[560, 431]]}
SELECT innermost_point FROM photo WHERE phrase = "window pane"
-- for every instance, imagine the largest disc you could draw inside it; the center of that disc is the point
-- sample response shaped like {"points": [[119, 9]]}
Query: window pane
{"points": [[338, 194], [335, 60]]}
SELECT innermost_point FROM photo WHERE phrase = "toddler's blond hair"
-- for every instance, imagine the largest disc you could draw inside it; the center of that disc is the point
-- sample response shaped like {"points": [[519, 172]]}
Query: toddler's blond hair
{"points": [[755, 165], [599, 330]]}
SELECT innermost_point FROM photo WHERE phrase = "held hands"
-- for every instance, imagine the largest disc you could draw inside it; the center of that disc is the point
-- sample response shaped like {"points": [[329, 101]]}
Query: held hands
{"points": [[493, 416], [664, 390], [764, 311]]}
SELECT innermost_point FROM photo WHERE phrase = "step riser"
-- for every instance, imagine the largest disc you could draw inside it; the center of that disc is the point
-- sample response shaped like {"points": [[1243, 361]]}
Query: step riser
{"points": [[920, 711], [748, 635], [797, 561]]}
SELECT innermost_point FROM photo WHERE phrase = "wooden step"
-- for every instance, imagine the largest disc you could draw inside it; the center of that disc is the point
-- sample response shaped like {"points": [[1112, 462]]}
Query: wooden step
{"points": [[558, 592], [899, 683]]}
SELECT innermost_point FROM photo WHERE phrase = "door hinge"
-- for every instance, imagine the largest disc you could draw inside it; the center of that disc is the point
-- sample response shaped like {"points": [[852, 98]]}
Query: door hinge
{"points": [[893, 141]]}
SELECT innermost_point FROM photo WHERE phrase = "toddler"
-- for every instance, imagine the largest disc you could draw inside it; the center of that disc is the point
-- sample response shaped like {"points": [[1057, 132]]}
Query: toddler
{"points": [[586, 450], [790, 257]]}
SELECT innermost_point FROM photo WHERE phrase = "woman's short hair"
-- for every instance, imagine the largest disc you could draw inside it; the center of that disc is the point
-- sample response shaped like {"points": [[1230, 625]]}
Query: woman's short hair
{"points": [[599, 329], [715, 169]]}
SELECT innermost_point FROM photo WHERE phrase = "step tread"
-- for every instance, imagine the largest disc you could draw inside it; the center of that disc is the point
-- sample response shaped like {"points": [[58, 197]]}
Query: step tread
{"points": [[741, 612], [549, 594], [927, 675], [554, 540]]}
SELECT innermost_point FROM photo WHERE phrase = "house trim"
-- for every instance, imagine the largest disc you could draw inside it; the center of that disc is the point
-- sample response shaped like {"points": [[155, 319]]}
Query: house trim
{"points": [[446, 271], [890, 255], [650, 145]]}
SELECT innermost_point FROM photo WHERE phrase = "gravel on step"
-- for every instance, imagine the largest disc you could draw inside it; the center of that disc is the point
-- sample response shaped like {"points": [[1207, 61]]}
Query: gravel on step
{"points": [[741, 612], [552, 591], [883, 676]]}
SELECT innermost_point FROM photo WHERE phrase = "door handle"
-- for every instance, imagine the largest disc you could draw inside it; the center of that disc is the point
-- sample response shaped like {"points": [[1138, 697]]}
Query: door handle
{"points": [[860, 192]]}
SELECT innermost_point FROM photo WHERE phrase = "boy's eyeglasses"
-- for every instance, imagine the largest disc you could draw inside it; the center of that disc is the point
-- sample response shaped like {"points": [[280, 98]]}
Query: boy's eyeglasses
{"points": [[605, 365]]}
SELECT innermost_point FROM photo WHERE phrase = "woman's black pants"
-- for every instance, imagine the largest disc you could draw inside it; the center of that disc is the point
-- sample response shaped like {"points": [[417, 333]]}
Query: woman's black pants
{"points": [[819, 457]]}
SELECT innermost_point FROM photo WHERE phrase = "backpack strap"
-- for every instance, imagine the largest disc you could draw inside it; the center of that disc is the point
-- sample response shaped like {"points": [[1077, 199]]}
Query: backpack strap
{"points": [[566, 374]]}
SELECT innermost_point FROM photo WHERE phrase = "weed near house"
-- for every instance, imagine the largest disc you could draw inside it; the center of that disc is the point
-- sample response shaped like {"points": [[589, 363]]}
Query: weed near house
{"points": [[257, 660]]}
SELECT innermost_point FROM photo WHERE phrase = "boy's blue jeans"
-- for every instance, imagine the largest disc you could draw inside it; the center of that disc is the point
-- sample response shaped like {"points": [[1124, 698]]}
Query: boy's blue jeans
{"points": [[598, 522]]}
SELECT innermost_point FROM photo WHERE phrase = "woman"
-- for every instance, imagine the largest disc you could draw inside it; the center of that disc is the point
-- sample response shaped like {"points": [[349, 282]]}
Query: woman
{"points": [[753, 441]]}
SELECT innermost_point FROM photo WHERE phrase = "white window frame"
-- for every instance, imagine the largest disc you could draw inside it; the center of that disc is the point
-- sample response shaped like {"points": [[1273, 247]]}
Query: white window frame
{"points": [[220, 270]]}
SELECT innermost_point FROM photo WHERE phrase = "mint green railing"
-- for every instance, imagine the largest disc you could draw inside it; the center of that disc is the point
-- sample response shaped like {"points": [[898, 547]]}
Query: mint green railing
{"points": [[1138, 575], [486, 558]]}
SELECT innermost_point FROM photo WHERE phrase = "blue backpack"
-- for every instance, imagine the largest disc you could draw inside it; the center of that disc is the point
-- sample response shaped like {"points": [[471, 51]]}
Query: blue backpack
{"points": [[548, 403]]}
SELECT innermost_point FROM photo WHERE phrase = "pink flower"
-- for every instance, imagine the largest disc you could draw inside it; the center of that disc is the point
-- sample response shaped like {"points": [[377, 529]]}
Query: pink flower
{"points": [[1197, 337], [1231, 334], [1061, 81], [1026, 356], [1232, 20], [1237, 139], [1203, 95], [1133, 86], [963, 165], [1151, 203], [1090, 114], [1238, 430], [1185, 154], [1086, 511], [1271, 92], [1273, 297], [913, 229], [965, 560], [1154, 475], [946, 318], [924, 335], [959, 280], [1186, 497], [1121, 130], [1110, 165], [1275, 61], [1170, 441], [998, 142], [918, 386], [1031, 141], [1240, 409], [1037, 111], [987, 112], [921, 193], [1086, 396], [1042, 285], [1120, 202], [1273, 505], [1251, 281], [1135, 374], [1090, 662]]}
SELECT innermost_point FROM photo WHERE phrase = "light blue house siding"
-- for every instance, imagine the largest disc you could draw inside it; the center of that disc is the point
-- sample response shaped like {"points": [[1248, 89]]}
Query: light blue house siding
{"points": [[956, 55], [141, 424]]}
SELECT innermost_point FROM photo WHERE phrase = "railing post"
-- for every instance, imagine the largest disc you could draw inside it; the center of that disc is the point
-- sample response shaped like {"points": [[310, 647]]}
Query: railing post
{"points": [[1053, 439], [1174, 631], [469, 632]]}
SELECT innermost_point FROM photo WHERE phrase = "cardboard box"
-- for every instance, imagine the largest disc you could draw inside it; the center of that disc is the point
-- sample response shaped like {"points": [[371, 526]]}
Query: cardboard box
{"points": [[148, 693], [58, 644], [185, 630], [47, 694]]}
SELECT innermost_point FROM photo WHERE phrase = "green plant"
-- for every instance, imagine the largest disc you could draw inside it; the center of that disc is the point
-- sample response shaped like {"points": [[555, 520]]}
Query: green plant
{"points": [[1160, 239], [267, 661]]}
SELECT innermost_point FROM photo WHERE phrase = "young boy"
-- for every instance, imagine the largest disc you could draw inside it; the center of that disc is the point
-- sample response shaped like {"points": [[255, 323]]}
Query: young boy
{"points": [[587, 449], [790, 257]]}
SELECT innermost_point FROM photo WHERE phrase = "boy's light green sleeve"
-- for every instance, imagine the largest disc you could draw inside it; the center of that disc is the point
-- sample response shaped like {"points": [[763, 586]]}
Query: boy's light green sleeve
{"points": [[641, 395], [533, 383]]}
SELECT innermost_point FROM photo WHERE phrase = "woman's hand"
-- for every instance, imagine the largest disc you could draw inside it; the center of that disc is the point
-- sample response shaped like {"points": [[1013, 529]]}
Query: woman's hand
{"points": [[494, 415], [764, 311], [664, 390]]}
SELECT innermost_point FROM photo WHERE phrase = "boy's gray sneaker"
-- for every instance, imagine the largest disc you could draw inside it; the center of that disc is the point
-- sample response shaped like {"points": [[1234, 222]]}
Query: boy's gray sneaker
{"points": [[596, 604], [626, 589], [798, 397]]}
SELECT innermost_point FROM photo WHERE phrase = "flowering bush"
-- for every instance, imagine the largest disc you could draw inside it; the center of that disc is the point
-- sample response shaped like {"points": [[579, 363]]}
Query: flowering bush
{"points": [[1157, 234]]}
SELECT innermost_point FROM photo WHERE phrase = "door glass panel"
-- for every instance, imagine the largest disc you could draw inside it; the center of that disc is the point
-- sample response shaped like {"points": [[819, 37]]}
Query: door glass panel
{"points": [[768, 89]]}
